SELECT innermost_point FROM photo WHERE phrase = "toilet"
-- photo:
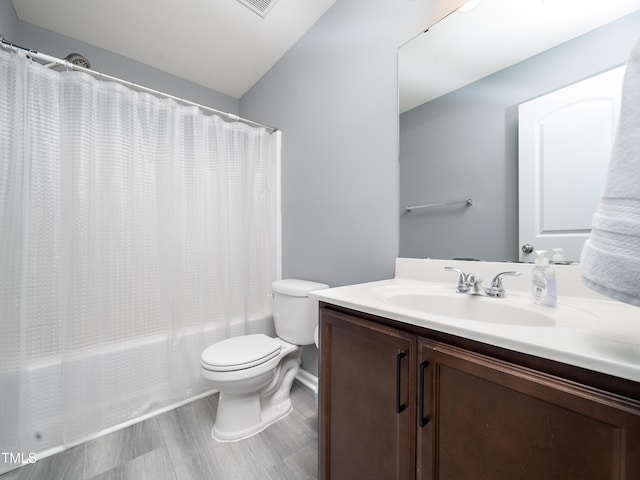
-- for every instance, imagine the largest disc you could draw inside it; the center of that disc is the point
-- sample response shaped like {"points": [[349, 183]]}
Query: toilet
{"points": [[254, 373]]}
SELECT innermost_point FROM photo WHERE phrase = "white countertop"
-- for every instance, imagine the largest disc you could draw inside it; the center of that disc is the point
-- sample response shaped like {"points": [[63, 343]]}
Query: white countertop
{"points": [[590, 331]]}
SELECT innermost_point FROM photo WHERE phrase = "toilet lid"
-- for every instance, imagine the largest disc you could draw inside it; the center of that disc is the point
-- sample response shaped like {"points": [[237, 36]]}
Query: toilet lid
{"points": [[238, 353]]}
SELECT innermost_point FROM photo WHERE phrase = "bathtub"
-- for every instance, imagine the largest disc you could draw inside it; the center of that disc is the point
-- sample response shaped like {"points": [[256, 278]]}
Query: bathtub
{"points": [[60, 401]]}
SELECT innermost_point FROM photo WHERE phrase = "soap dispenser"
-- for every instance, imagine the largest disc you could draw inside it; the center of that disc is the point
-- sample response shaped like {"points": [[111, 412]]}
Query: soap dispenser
{"points": [[544, 281]]}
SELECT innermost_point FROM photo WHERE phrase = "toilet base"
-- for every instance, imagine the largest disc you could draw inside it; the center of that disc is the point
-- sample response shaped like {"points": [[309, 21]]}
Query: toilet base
{"points": [[242, 415], [243, 427]]}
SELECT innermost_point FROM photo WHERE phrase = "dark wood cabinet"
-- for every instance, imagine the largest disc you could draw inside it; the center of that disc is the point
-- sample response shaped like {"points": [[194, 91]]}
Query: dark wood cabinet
{"points": [[367, 393], [494, 420], [398, 404]]}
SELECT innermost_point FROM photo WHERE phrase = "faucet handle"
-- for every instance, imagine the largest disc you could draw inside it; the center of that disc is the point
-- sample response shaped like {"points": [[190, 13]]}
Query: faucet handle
{"points": [[465, 280], [472, 279], [454, 269], [462, 288], [496, 283]]}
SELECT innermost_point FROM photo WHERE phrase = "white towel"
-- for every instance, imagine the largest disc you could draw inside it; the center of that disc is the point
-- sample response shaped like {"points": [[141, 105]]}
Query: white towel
{"points": [[610, 259]]}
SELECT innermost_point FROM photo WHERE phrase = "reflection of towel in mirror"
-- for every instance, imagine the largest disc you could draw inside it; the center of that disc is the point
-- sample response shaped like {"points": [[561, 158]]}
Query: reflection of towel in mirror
{"points": [[610, 260]]}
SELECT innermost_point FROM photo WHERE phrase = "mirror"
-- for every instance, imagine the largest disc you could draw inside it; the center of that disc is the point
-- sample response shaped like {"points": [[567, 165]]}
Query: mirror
{"points": [[460, 85]]}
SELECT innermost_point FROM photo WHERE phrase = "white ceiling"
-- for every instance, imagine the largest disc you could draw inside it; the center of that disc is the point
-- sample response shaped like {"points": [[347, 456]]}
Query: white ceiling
{"points": [[467, 46], [220, 44]]}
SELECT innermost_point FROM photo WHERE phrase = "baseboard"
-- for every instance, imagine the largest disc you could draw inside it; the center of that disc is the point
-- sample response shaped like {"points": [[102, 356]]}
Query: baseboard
{"points": [[307, 379]]}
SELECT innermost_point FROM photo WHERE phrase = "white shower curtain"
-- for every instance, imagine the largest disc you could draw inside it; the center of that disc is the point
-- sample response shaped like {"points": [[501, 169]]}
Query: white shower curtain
{"points": [[133, 232]]}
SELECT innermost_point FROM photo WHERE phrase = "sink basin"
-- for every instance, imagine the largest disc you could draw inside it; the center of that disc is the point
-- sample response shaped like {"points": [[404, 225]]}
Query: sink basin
{"points": [[467, 307]]}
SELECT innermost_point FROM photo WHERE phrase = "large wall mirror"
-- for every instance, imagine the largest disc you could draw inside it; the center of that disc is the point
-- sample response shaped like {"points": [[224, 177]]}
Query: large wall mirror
{"points": [[461, 84]]}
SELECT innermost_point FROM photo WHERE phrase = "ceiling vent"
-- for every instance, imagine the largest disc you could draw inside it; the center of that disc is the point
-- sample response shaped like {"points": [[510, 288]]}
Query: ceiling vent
{"points": [[261, 7]]}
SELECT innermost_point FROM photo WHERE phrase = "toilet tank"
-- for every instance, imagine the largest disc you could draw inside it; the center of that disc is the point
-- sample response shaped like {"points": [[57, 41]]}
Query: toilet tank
{"points": [[295, 314]]}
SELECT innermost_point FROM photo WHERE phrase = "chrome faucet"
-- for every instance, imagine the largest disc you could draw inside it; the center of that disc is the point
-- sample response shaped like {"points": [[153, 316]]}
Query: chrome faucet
{"points": [[470, 283]]}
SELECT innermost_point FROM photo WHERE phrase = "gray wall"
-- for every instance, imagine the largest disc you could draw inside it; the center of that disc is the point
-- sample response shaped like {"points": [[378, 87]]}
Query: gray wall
{"points": [[465, 144], [8, 20], [334, 96], [104, 61]]}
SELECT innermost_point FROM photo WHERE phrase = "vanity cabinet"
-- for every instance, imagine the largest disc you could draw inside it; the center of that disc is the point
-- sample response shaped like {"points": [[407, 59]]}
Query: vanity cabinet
{"points": [[367, 397], [400, 403]]}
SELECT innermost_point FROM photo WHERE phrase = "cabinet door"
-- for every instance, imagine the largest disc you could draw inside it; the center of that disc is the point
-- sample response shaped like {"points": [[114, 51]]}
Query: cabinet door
{"points": [[493, 420], [367, 400]]}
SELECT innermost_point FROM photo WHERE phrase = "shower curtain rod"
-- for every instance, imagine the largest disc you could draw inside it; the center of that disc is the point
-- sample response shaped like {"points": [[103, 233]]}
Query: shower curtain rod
{"points": [[49, 59]]}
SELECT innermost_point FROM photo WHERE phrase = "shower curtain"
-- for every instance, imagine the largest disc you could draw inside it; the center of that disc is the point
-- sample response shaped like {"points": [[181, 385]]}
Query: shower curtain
{"points": [[134, 231]]}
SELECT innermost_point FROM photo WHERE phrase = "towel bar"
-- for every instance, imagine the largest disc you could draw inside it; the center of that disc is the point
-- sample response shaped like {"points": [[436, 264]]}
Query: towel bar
{"points": [[467, 203]]}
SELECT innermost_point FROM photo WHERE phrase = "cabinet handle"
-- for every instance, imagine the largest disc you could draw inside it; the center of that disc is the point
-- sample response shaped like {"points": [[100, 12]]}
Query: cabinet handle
{"points": [[399, 407], [422, 419]]}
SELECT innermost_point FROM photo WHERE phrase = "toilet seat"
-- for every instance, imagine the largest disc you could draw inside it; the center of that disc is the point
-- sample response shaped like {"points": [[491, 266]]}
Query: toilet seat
{"points": [[239, 353]]}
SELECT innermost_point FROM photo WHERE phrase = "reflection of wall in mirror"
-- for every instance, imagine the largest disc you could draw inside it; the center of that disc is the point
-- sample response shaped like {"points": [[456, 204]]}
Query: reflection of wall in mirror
{"points": [[464, 144]]}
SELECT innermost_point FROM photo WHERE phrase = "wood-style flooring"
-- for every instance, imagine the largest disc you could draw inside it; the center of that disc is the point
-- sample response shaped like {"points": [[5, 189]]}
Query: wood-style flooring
{"points": [[177, 445]]}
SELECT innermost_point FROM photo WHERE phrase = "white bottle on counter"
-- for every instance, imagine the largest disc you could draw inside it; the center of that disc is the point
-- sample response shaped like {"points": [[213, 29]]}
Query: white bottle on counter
{"points": [[544, 281], [558, 257]]}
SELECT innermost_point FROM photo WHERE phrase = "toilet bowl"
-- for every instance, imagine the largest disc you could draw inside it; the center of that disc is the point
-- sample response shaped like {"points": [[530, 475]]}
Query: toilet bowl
{"points": [[254, 385], [254, 373]]}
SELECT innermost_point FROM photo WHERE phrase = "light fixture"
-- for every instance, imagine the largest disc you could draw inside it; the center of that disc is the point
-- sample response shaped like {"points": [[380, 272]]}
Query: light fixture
{"points": [[470, 5]]}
